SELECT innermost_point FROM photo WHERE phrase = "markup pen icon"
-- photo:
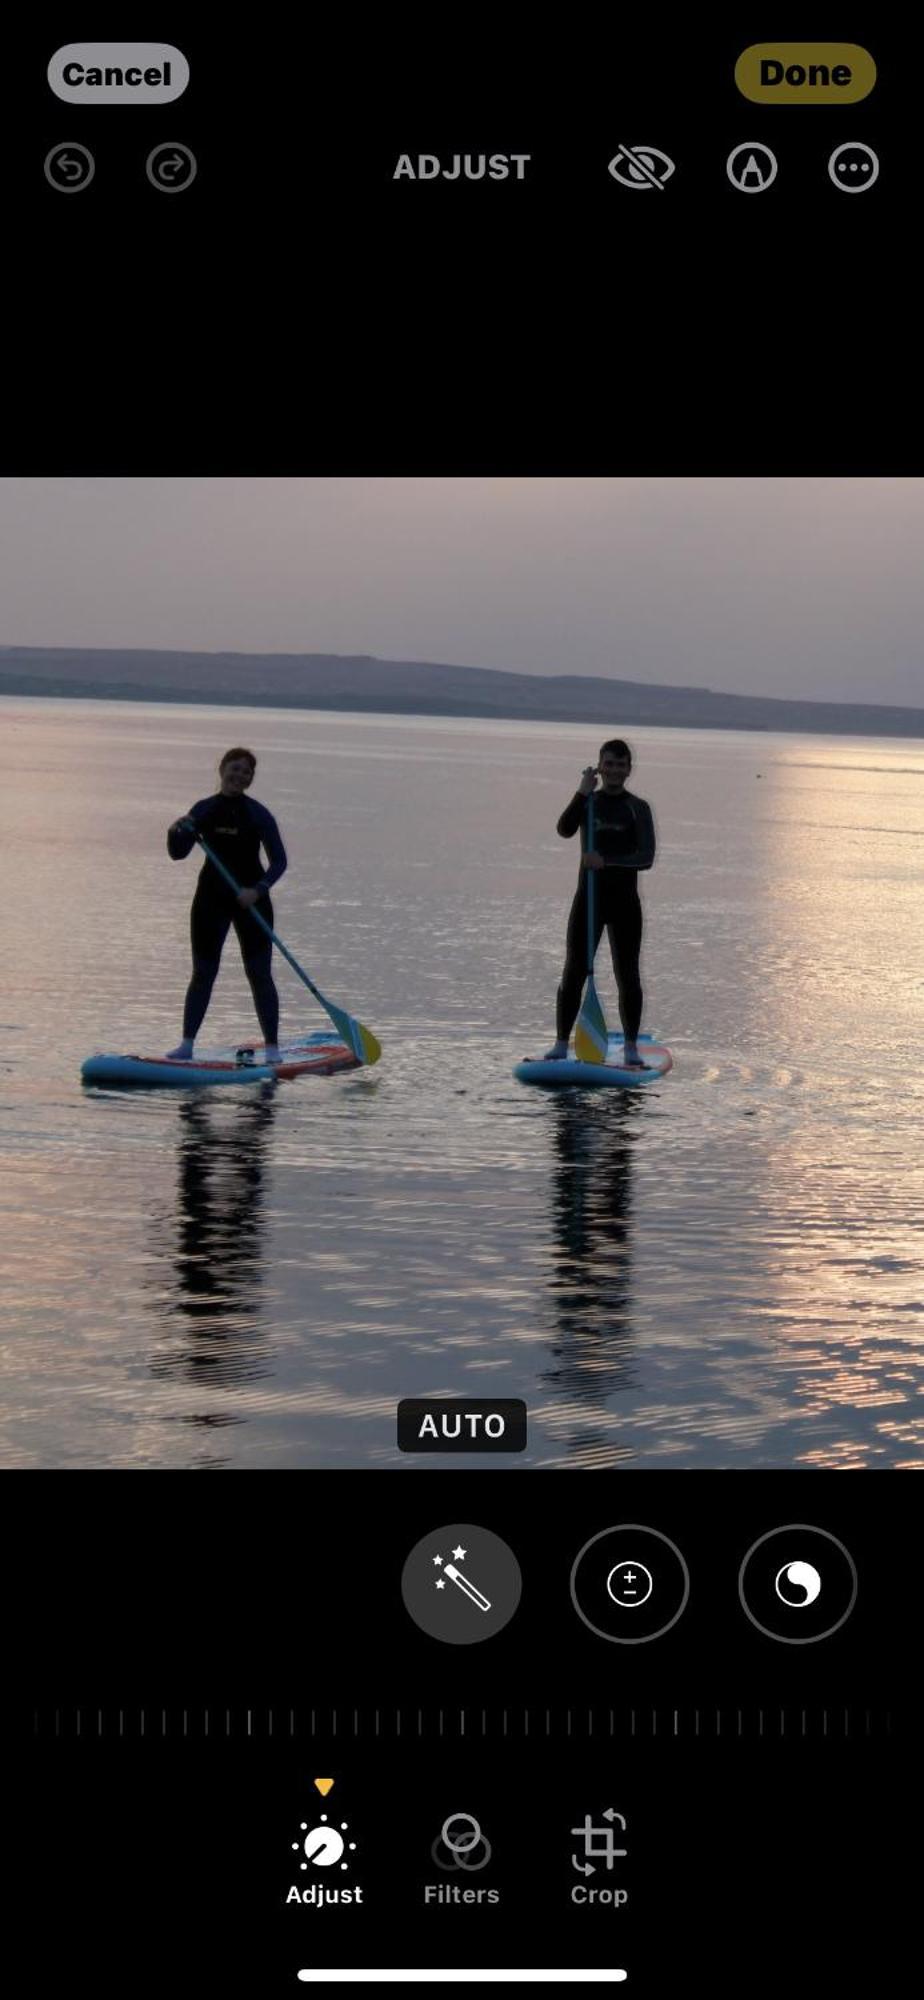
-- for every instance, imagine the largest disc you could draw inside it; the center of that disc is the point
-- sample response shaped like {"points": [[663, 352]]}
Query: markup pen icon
{"points": [[752, 168]]}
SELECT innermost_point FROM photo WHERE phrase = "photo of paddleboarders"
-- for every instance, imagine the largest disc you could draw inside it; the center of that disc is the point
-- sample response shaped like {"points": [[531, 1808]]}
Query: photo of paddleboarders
{"points": [[563, 1056]]}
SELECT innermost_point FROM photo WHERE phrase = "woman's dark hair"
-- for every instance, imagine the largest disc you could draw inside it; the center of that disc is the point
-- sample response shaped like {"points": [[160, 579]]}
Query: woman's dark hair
{"points": [[618, 748], [231, 755]]}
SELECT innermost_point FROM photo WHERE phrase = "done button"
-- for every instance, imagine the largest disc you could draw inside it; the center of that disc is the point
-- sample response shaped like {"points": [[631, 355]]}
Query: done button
{"points": [[805, 73]]}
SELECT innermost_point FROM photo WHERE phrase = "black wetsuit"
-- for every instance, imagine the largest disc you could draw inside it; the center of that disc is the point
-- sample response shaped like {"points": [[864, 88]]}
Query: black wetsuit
{"points": [[235, 829], [624, 837]]}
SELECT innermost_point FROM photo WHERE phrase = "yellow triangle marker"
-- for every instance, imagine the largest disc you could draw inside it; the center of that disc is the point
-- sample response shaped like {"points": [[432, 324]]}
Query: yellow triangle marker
{"points": [[324, 1785]]}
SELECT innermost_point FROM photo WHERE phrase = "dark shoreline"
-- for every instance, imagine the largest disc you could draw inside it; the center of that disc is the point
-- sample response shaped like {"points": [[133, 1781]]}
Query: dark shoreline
{"points": [[366, 686], [347, 705]]}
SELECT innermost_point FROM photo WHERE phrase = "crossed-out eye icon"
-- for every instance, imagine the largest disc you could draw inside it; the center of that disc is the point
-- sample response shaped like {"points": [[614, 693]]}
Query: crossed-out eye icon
{"points": [[641, 167]]}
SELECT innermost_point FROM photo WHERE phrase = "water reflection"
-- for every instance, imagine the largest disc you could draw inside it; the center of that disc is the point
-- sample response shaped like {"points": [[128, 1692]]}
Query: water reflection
{"points": [[590, 1280], [213, 1245]]}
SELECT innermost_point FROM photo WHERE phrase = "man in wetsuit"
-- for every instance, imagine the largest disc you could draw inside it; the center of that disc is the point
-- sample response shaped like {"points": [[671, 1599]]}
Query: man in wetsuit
{"points": [[235, 829], [624, 842]]}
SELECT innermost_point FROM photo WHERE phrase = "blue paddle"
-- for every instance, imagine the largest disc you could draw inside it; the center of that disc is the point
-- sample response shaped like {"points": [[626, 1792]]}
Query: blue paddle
{"points": [[361, 1040], [591, 1035]]}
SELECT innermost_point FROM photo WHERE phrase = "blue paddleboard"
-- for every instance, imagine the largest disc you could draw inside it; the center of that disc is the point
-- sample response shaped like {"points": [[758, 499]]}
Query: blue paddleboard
{"points": [[313, 1055], [657, 1060]]}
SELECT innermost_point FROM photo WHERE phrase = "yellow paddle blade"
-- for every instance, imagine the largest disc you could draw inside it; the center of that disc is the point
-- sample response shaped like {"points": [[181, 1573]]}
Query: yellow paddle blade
{"points": [[591, 1036], [361, 1040], [371, 1048]]}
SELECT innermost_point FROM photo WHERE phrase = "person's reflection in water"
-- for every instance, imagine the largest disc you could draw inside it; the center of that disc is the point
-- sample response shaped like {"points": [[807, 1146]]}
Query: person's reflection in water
{"points": [[216, 1284], [591, 1278]]}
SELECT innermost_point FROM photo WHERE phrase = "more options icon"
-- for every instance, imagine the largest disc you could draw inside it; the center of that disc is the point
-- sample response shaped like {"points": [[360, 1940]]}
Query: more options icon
{"points": [[629, 1584], [853, 167], [798, 1584]]}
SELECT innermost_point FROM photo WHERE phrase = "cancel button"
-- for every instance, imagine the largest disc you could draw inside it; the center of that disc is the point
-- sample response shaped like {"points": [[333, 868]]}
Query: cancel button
{"points": [[118, 73], [467, 1423]]}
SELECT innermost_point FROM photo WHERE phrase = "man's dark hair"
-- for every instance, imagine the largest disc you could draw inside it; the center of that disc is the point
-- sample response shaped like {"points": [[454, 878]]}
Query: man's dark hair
{"points": [[230, 756], [618, 748]]}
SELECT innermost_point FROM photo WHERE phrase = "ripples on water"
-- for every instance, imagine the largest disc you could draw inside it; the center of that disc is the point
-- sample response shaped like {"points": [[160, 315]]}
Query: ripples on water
{"points": [[721, 1270]]}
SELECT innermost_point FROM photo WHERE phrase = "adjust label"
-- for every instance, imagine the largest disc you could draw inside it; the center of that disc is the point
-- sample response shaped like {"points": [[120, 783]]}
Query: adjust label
{"points": [[469, 1423], [461, 167]]}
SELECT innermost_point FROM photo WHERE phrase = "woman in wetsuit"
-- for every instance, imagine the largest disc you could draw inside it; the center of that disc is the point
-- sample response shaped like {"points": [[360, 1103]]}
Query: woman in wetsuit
{"points": [[235, 828], [624, 842]]}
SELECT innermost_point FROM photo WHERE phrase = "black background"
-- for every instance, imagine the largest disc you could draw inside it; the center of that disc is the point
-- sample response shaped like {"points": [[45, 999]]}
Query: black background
{"points": [[298, 311]]}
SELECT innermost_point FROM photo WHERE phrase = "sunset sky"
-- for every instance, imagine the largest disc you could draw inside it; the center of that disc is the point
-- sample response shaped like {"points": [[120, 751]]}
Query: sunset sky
{"points": [[811, 587]]}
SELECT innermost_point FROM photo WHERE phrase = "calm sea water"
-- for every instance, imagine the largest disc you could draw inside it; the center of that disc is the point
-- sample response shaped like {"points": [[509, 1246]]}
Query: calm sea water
{"points": [[725, 1269]]}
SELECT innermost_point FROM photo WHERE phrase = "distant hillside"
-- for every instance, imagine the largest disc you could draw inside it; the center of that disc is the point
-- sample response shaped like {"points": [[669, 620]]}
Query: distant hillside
{"points": [[421, 687]]}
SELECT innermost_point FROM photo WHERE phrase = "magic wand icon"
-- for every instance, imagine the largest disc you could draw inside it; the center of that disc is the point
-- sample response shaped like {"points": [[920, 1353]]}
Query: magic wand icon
{"points": [[462, 1582]]}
